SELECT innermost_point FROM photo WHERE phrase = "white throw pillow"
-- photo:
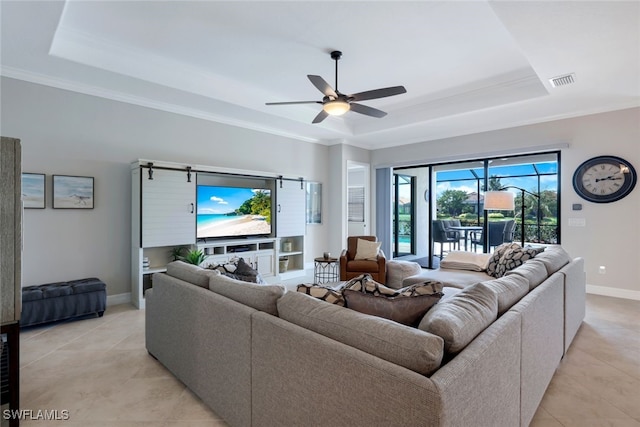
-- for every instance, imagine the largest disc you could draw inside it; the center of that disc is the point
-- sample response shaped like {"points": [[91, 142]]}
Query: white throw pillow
{"points": [[366, 249]]}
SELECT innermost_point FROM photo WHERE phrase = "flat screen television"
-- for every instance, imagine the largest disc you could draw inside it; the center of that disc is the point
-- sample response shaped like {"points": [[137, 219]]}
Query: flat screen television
{"points": [[232, 212]]}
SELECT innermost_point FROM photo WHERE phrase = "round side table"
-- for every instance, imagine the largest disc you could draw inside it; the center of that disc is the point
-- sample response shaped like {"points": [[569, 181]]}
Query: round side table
{"points": [[326, 270]]}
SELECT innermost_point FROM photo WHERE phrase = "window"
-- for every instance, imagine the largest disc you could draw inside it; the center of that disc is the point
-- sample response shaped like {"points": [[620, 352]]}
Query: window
{"points": [[459, 195]]}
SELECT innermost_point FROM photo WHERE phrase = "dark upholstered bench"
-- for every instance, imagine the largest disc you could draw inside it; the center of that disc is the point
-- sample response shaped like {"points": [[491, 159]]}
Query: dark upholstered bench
{"points": [[62, 300]]}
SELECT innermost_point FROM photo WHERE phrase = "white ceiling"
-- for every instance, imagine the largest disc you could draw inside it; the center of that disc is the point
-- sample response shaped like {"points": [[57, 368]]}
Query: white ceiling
{"points": [[468, 66]]}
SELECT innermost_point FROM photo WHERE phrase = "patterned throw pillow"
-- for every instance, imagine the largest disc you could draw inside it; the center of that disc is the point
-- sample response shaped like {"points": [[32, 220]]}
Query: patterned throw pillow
{"points": [[515, 257], [495, 258], [325, 293], [365, 284]]}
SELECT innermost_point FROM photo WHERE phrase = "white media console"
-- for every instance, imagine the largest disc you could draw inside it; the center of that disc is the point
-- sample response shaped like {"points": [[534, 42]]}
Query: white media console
{"points": [[163, 217]]}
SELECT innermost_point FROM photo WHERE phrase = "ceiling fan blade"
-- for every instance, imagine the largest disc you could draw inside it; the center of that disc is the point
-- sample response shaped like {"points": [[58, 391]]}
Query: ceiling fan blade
{"points": [[378, 93], [320, 117], [293, 102], [367, 111], [322, 86]]}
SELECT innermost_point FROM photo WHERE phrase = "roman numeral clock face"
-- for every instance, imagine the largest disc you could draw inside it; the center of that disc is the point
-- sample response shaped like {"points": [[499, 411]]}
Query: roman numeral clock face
{"points": [[604, 179]]}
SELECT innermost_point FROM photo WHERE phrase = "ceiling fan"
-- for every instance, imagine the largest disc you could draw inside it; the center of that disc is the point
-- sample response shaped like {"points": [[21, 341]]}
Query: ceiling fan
{"points": [[336, 103]]}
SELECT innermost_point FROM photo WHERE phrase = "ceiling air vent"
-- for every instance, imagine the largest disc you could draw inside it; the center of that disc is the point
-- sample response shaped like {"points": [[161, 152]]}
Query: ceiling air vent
{"points": [[563, 80]]}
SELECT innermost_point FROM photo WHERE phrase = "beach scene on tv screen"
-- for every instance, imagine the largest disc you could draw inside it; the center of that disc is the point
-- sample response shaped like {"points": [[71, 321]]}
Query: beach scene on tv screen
{"points": [[233, 211]]}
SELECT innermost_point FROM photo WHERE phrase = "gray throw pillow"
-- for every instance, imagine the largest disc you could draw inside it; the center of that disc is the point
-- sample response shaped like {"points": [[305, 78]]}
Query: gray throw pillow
{"points": [[247, 273], [407, 310]]}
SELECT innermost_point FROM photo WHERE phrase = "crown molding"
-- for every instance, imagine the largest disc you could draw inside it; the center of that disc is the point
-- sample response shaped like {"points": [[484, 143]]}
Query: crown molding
{"points": [[99, 92]]}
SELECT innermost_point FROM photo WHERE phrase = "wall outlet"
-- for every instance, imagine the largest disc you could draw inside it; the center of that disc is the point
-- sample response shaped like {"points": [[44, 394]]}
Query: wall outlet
{"points": [[602, 269]]}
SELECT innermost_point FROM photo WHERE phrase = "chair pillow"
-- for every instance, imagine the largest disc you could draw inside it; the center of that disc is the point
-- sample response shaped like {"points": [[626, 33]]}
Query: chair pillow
{"points": [[411, 348], [459, 319], [407, 310], [366, 249]]}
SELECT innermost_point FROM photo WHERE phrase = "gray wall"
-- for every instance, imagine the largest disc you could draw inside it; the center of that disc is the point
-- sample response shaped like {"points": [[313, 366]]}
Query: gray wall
{"points": [[612, 233], [68, 133]]}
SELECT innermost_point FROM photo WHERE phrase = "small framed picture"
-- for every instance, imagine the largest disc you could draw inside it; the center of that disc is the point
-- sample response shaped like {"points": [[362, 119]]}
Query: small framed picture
{"points": [[33, 190], [72, 192]]}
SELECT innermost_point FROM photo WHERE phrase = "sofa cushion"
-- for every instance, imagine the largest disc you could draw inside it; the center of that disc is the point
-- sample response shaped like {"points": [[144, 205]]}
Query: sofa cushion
{"points": [[407, 310], [260, 297], [509, 290], [554, 258], [461, 260], [191, 273], [514, 257], [459, 319], [533, 270], [367, 249], [324, 293], [452, 278], [398, 270], [411, 348]]}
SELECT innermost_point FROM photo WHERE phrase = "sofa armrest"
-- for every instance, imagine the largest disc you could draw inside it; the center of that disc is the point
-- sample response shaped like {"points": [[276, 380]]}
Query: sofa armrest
{"points": [[575, 295], [204, 339], [492, 360]]}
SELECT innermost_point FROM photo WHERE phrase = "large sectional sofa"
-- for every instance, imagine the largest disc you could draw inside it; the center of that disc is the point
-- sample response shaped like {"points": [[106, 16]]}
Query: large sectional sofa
{"points": [[259, 355]]}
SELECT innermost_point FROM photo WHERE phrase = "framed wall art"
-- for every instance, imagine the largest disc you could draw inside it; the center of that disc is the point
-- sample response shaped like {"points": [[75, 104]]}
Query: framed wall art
{"points": [[33, 190], [72, 192]]}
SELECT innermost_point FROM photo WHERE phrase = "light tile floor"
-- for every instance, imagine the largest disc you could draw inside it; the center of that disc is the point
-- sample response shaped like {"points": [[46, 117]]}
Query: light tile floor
{"points": [[99, 371]]}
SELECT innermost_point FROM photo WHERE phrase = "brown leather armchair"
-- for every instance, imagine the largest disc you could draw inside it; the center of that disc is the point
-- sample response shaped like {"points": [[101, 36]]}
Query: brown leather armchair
{"points": [[350, 267]]}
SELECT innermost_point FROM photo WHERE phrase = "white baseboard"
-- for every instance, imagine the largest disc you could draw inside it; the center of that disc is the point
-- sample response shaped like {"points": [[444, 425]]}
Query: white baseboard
{"points": [[119, 299], [613, 292]]}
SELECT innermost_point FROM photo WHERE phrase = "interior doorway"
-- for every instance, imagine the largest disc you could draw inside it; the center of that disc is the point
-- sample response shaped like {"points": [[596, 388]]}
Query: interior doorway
{"points": [[358, 187]]}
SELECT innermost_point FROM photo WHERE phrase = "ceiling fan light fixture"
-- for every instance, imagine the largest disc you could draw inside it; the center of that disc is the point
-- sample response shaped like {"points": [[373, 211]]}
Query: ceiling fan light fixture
{"points": [[336, 108]]}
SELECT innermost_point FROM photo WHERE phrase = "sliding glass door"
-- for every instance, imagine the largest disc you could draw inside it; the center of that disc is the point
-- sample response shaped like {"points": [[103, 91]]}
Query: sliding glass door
{"points": [[457, 200]]}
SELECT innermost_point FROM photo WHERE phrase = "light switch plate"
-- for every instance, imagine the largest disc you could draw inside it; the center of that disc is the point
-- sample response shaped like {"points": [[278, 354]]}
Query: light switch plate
{"points": [[577, 222]]}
